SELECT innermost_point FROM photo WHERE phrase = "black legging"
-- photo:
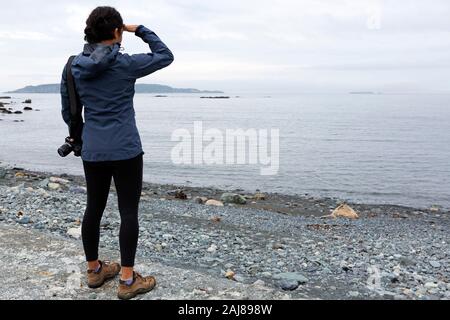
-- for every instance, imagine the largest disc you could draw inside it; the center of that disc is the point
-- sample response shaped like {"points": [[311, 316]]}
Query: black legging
{"points": [[128, 181]]}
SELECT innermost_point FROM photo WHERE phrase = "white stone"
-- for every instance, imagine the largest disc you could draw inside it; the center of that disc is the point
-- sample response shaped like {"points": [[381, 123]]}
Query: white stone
{"points": [[259, 283], [74, 232], [59, 180], [212, 248], [215, 203], [430, 285], [54, 186]]}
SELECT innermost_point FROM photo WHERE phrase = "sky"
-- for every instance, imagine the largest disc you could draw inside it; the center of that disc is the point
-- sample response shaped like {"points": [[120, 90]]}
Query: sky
{"points": [[253, 45]]}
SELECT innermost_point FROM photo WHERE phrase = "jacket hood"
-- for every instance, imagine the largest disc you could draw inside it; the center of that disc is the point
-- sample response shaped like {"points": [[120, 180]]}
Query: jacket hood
{"points": [[95, 59]]}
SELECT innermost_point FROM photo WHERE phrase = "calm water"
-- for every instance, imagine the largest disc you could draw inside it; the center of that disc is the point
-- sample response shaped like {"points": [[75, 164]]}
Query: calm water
{"points": [[371, 148]]}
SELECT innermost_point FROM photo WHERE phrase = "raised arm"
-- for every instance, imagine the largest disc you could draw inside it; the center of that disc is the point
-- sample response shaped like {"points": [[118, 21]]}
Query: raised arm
{"points": [[142, 65]]}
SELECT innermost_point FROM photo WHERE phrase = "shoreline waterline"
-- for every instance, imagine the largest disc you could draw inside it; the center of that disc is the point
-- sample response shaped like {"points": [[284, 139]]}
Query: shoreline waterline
{"points": [[283, 203]]}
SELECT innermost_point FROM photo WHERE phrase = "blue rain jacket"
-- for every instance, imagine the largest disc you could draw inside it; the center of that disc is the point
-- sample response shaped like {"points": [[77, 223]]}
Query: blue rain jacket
{"points": [[105, 79]]}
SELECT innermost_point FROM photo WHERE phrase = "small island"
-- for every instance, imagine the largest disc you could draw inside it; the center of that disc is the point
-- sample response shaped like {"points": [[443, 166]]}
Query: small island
{"points": [[364, 92], [217, 97]]}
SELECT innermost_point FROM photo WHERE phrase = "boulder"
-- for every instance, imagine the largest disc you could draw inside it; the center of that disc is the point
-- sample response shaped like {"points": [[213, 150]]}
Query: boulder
{"points": [[178, 194], [28, 101], [212, 248], [288, 285], [215, 219], [200, 200], [343, 211], [435, 209], [233, 198], [59, 180], [435, 264], [20, 175], [44, 183], [24, 220], [230, 274], [28, 108], [215, 203], [74, 232], [53, 186], [277, 246], [259, 196], [292, 276], [79, 190]]}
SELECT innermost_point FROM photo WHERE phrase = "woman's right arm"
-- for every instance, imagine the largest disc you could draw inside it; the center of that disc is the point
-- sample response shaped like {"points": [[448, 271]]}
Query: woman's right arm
{"points": [[160, 56]]}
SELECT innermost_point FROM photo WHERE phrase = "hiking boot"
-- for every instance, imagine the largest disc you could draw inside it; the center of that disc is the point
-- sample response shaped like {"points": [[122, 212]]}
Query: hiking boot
{"points": [[107, 271], [140, 285]]}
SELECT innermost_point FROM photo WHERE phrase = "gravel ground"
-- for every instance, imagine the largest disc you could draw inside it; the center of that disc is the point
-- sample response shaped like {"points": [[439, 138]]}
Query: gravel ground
{"points": [[391, 252], [57, 272]]}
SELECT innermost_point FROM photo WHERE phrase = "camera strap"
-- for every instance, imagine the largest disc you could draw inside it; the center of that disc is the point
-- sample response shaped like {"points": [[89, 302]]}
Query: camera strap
{"points": [[76, 119]]}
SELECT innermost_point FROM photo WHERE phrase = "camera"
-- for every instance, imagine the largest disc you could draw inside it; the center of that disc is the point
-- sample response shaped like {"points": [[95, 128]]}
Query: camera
{"points": [[69, 146]]}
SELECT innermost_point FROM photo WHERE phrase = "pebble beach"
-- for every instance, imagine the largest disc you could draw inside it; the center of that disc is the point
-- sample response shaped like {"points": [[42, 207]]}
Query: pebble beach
{"points": [[288, 245]]}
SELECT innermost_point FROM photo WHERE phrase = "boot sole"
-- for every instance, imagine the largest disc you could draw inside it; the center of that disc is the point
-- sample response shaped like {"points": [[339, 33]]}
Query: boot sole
{"points": [[131, 295]]}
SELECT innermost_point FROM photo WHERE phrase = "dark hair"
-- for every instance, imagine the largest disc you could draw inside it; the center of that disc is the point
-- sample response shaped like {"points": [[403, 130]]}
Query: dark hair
{"points": [[101, 24]]}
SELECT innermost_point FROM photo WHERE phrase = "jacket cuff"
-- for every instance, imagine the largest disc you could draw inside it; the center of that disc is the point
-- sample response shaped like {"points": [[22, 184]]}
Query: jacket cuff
{"points": [[139, 31]]}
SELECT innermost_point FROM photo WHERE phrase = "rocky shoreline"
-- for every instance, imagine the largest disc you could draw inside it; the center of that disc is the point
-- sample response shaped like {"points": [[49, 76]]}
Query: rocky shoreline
{"points": [[284, 243]]}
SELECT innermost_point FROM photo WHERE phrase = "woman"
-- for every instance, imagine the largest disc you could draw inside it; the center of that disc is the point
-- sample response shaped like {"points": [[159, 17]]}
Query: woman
{"points": [[105, 79]]}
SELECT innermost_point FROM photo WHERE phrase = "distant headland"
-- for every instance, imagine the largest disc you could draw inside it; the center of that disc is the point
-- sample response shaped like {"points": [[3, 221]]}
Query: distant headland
{"points": [[140, 88]]}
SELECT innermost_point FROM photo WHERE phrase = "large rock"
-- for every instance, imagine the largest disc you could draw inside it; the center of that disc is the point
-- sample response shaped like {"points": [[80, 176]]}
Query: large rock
{"points": [[233, 198], [435, 264], [44, 183], [213, 202], [292, 276], [24, 220], [3, 172], [230, 274], [212, 248], [59, 180], [288, 285], [77, 189], [53, 186], [200, 200], [343, 211], [178, 194], [20, 175], [259, 196], [74, 232]]}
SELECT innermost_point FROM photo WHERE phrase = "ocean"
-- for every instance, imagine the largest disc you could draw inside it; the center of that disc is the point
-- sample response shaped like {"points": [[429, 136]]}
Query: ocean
{"points": [[392, 149]]}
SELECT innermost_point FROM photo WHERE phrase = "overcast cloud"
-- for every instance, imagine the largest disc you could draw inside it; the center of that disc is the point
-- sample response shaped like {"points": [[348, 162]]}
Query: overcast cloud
{"points": [[251, 45]]}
